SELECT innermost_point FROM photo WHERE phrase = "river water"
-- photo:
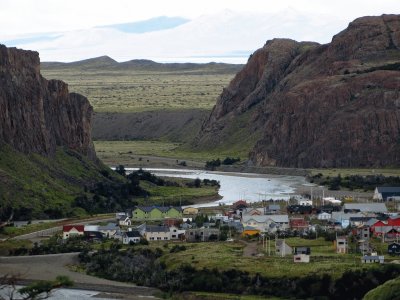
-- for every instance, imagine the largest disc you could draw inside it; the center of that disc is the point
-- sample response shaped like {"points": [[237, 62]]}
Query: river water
{"points": [[235, 186]]}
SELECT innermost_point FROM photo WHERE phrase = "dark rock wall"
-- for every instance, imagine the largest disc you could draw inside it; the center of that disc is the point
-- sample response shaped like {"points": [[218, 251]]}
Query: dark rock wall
{"points": [[37, 115], [334, 105]]}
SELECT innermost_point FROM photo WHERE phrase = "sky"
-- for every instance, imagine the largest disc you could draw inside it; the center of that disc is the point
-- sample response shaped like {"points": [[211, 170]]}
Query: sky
{"points": [[63, 30]]}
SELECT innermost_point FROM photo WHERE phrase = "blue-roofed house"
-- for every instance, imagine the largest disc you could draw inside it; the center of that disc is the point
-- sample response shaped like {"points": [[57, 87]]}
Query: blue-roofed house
{"points": [[383, 193]]}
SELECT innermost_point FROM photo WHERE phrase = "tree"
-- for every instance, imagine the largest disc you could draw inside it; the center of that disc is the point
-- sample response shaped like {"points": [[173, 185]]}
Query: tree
{"points": [[120, 170]]}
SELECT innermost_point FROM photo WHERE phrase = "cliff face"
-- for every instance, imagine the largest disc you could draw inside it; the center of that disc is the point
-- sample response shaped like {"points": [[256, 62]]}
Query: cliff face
{"points": [[334, 105], [37, 115]]}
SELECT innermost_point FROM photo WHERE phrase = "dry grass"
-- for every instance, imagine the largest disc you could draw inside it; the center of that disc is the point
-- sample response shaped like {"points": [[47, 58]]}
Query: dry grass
{"points": [[133, 91]]}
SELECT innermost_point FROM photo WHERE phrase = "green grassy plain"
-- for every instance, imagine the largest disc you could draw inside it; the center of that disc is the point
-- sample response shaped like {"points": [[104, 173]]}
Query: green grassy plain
{"points": [[224, 256], [134, 91]]}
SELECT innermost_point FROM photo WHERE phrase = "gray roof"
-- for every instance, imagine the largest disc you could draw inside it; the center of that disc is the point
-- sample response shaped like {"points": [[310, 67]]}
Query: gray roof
{"points": [[388, 189], [274, 207], [265, 218], [366, 207], [156, 228], [109, 226], [133, 233]]}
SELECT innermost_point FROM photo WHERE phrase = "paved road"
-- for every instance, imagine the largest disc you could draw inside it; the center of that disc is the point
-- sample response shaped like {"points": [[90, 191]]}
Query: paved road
{"points": [[48, 267]]}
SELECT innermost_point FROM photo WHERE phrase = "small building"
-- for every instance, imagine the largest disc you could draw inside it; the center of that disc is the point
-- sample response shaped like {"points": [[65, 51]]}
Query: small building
{"points": [[363, 232], [190, 211], [73, 231], [324, 216], [301, 258], [386, 193], [370, 259], [341, 245], [124, 221], [394, 248], [364, 247], [240, 205], [130, 237], [282, 249], [176, 233], [273, 209]]}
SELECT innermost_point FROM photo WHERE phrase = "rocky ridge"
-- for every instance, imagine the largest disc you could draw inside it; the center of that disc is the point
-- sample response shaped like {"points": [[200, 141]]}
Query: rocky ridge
{"points": [[37, 115], [311, 105]]}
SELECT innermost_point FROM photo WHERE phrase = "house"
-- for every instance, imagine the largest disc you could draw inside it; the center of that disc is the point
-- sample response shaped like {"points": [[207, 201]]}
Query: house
{"points": [[156, 212], [282, 249], [272, 209], [190, 211], [73, 231], [368, 259], [131, 237], [201, 234], [301, 258], [386, 193], [176, 233], [359, 221], [382, 227], [298, 224], [365, 207], [157, 233], [394, 248], [324, 216], [266, 223], [341, 244], [363, 232], [92, 228], [109, 230], [172, 222], [253, 211], [124, 221], [239, 205]]}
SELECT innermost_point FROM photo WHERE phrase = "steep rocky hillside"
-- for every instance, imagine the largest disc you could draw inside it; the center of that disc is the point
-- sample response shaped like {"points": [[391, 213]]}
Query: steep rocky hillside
{"points": [[308, 105], [37, 115], [46, 152]]}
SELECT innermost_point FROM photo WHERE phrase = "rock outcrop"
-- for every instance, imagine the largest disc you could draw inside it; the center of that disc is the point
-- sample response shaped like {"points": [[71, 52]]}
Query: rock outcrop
{"points": [[37, 115], [333, 105]]}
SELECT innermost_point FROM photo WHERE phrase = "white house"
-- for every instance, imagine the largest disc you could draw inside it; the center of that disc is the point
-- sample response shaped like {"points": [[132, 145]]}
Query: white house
{"points": [[131, 237], [266, 223], [324, 216], [176, 233], [124, 221]]}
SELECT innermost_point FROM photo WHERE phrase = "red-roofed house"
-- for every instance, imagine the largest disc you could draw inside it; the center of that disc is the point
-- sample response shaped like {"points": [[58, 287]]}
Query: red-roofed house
{"points": [[383, 227], [73, 230], [298, 224]]}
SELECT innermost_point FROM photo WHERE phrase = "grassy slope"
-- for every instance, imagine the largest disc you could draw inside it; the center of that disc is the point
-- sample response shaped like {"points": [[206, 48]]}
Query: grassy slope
{"points": [[387, 291], [38, 183]]}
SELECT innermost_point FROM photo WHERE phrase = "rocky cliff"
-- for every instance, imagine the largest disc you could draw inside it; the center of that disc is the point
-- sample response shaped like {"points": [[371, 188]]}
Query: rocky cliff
{"points": [[310, 105], [37, 115]]}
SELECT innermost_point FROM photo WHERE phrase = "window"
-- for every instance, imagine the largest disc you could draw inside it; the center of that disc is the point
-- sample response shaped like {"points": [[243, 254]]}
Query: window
{"points": [[174, 235], [151, 239], [165, 238], [158, 238]]}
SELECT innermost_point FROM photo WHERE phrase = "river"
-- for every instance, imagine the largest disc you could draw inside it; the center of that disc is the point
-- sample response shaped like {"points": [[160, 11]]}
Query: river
{"points": [[235, 186]]}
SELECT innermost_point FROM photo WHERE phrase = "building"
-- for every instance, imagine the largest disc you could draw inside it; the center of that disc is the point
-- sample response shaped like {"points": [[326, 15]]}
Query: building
{"points": [[324, 216], [386, 193], [157, 233], [201, 234], [301, 258], [190, 211], [341, 245], [73, 231], [302, 250], [272, 209], [176, 233], [369, 259], [156, 212], [365, 207], [266, 223], [124, 221], [130, 237], [298, 224], [109, 230], [282, 249], [394, 248]]}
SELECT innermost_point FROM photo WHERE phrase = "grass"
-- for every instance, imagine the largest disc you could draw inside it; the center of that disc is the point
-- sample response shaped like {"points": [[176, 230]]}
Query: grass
{"points": [[134, 90], [136, 152], [6, 246], [356, 171], [36, 183], [221, 296], [223, 256]]}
